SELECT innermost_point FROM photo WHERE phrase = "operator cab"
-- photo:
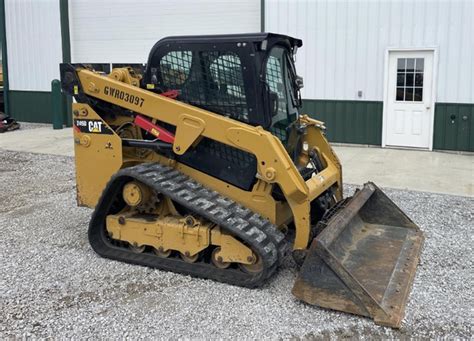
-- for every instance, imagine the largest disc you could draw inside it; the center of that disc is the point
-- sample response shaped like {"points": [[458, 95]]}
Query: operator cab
{"points": [[247, 77]]}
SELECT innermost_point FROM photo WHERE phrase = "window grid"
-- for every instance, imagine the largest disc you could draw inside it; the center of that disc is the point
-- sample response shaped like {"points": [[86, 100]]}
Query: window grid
{"points": [[211, 80], [410, 74], [175, 68]]}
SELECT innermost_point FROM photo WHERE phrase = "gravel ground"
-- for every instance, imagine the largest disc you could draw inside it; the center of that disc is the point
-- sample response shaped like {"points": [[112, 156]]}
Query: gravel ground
{"points": [[53, 285]]}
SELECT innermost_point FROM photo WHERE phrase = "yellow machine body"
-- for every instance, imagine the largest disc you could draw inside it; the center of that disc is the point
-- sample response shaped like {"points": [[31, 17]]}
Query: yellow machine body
{"points": [[359, 255], [98, 156]]}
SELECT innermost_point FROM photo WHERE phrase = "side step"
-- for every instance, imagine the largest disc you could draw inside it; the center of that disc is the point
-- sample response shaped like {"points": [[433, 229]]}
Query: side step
{"points": [[364, 261]]}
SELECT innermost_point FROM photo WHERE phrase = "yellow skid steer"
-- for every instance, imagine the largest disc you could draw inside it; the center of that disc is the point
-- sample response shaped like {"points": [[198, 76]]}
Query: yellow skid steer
{"points": [[202, 163]]}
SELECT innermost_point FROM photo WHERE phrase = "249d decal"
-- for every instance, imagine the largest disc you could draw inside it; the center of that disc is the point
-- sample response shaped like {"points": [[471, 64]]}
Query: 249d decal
{"points": [[92, 126]]}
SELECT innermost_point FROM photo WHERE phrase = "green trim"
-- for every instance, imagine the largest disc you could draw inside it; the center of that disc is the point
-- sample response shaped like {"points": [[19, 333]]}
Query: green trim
{"points": [[31, 106], [358, 122], [454, 127], [65, 36], [262, 15], [66, 50], [3, 41]]}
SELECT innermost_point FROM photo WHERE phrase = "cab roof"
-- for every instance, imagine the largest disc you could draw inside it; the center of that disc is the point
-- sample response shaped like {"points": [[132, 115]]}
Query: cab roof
{"points": [[230, 38]]}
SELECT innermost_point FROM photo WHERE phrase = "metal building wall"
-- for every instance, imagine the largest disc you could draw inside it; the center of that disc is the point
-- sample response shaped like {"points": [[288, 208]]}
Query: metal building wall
{"points": [[344, 49], [34, 43], [124, 31], [345, 43]]}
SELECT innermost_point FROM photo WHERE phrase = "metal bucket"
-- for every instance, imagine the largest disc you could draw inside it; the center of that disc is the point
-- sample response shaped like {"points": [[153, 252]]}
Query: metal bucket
{"points": [[364, 261]]}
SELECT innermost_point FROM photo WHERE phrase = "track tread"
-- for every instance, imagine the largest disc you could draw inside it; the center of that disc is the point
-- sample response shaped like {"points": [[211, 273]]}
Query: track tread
{"points": [[262, 236]]}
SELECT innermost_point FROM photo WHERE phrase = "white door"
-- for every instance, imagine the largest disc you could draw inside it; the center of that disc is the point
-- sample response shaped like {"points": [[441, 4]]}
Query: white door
{"points": [[409, 112]]}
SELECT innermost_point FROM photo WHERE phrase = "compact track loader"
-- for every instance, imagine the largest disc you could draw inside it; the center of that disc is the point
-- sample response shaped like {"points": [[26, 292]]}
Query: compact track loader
{"points": [[204, 165]]}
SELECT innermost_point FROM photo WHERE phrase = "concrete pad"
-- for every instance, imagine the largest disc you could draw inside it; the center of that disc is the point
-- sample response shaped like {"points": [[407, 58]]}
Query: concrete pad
{"points": [[397, 168], [44, 140], [426, 171]]}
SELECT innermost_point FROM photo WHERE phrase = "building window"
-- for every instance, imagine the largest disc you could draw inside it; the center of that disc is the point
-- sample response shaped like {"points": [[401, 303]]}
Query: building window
{"points": [[410, 79]]}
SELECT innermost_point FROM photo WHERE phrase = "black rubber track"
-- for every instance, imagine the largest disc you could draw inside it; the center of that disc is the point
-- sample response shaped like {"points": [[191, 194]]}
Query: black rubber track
{"points": [[258, 233]]}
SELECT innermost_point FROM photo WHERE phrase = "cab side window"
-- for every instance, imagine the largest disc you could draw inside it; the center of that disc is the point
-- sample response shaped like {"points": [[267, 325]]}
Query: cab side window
{"points": [[212, 80], [175, 68]]}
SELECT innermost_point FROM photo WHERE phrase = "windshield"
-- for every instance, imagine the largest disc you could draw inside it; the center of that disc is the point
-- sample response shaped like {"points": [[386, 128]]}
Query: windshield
{"points": [[280, 80]]}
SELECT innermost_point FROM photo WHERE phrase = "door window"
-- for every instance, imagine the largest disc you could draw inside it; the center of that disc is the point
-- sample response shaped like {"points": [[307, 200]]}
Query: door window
{"points": [[410, 79], [277, 81]]}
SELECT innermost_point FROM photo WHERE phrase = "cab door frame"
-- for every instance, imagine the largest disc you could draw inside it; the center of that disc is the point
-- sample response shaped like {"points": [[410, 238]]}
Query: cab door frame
{"points": [[434, 87]]}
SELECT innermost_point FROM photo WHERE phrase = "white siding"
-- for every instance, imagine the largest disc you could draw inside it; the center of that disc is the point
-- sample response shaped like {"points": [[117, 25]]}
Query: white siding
{"points": [[344, 43], [125, 31], [33, 33]]}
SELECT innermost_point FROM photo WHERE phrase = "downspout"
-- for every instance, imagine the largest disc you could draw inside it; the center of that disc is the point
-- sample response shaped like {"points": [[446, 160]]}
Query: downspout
{"points": [[66, 52], [3, 39]]}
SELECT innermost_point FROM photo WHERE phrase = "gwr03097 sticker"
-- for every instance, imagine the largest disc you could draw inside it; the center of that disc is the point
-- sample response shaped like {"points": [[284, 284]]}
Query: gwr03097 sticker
{"points": [[124, 96], [92, 126]]}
